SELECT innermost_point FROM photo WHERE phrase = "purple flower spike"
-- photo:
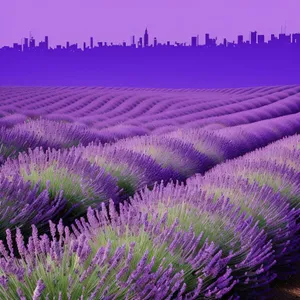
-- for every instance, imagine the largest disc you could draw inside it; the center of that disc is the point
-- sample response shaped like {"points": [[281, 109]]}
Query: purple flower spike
{"points": [[38, 290]]}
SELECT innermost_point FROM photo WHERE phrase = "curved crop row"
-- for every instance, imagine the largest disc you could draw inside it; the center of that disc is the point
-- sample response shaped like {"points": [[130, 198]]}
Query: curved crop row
{"points": [[82, 183], [276, 206], [58, 135], [259, 134], [149, 109]]}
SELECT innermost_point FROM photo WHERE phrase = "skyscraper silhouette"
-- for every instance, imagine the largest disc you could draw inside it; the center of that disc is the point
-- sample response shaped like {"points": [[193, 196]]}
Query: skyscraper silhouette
{"points": [[46, 42], [92, 43], [146, 38], [25, 45], [253, 37], [207, 39], [140, 44], [194, 41], [261, 39], [240, 39], [32, 42], [296, 38]]}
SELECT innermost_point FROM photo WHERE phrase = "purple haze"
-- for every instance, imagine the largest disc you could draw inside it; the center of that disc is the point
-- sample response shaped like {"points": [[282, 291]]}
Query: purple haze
{"points": [[117, 20]]}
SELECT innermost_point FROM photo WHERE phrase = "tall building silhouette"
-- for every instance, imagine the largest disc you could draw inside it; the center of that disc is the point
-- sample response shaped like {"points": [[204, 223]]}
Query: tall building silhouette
{"points": [[194, 41], [46, 42], [253, 37], [207, 39], [140, 44], [296, 38], [92, 42], [146, 38], [32, 43], [25, 45], [240, 39], [261, 39], [155, 42]]}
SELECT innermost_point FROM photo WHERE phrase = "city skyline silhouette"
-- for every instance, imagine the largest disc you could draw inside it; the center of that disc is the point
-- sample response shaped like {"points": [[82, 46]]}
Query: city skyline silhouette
{"points": [[255, 39]]}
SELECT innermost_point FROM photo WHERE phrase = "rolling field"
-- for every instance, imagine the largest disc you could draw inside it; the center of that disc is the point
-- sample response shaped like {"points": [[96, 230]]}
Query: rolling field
{"points": [[127, 193]]}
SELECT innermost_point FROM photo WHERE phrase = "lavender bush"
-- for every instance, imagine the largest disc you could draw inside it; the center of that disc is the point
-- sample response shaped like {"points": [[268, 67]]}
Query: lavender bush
{"points": [[215, 147], [14, 141], [58, 134], [251, 254], [142, 259], [83, 184], [169, 153], [21, 205], [133, 170], [280, 177], [272, 212]]}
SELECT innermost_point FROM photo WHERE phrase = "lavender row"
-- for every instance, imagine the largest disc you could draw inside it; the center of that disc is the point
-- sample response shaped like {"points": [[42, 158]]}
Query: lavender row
{"points": [[47, 132], [265, 184], [259, 134], [42, 133]]}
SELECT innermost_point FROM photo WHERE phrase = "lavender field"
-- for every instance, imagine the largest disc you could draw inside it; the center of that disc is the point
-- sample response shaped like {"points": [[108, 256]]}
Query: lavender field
{"points": [[130, 193]]}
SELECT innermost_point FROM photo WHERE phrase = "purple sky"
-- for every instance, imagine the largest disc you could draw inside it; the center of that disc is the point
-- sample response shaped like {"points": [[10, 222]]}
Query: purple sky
{"points": [[117, 20]]}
